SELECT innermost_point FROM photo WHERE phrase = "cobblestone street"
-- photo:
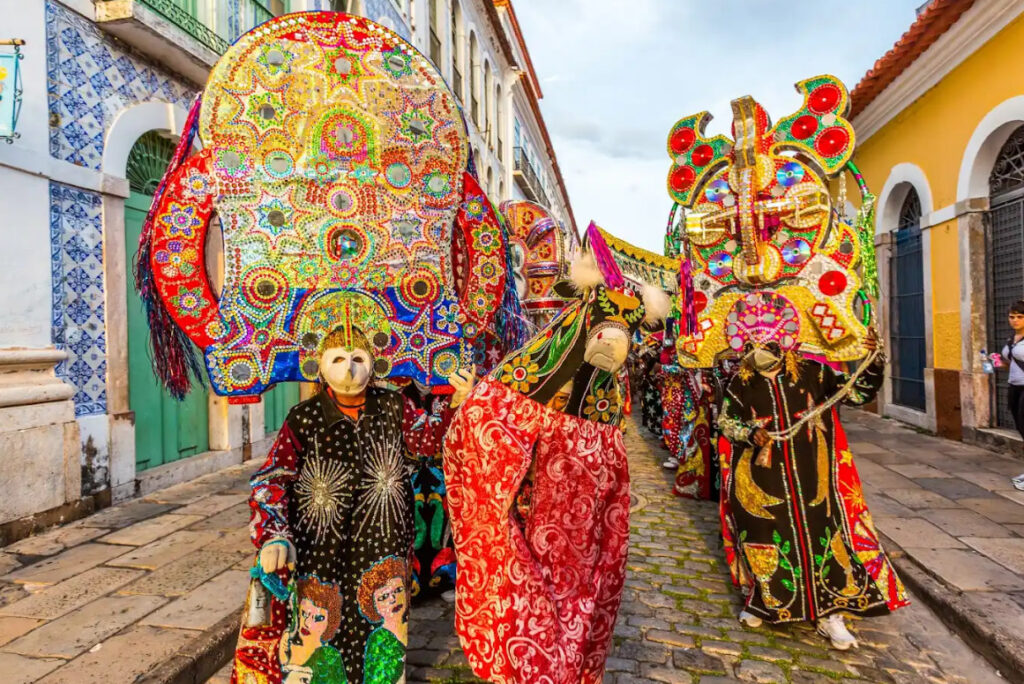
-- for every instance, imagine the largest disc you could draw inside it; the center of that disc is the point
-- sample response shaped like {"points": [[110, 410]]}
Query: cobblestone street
{"points": [[137, 590], [677, 623]]}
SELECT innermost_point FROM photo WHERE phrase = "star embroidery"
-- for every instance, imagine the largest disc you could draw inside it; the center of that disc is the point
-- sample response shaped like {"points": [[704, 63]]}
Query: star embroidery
{"points": [[815, 423]]}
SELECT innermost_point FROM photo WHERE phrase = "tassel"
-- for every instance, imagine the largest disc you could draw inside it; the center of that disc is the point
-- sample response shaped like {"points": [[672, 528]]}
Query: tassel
{"points": [[686, 303], [510, 321], [603, 256], [823, 471], [173, 355]]}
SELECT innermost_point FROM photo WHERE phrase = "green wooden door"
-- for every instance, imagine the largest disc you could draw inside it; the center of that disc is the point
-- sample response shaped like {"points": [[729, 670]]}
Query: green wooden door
{"points": [[165, 429], [276, 404]]}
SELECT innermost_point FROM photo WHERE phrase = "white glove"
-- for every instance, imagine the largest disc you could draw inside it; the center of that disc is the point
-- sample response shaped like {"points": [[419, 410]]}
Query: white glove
{"points": [[276, 554], [463, 382]]}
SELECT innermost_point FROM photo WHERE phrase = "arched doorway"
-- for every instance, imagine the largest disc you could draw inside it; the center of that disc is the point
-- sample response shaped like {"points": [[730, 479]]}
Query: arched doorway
{"points": [[277, 401], [166, 430], [1006, 279], [906, 306]]}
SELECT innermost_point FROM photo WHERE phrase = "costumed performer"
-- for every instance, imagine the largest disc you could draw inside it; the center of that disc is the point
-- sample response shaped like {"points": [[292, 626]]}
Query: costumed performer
{"points": [[333, 503], [799, 536], [540, 580], [425, 423], [777, 272]]}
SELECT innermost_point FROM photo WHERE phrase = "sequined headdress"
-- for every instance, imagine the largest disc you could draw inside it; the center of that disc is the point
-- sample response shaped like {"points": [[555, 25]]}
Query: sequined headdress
{"points": [[767, 252], [336, 160]]}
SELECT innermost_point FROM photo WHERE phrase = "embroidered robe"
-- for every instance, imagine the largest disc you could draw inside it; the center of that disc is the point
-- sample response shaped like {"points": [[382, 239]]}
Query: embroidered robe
{"points": [[798, 535]]}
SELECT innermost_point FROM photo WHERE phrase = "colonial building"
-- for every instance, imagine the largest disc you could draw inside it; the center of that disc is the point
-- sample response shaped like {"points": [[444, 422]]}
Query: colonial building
{"points": [[940, 121], [107, 84]]}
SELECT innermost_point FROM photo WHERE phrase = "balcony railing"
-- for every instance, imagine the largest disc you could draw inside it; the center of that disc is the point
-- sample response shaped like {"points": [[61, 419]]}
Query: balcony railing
{"points": [[186, 36], [216, 29], [527, 179]]}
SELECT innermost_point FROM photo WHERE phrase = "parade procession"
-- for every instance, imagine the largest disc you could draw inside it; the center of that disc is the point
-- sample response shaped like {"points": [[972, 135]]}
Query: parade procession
{"points": [[338, 389]]}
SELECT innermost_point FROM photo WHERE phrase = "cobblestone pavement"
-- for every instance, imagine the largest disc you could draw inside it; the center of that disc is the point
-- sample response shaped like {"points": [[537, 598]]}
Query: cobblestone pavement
{"points": [[677, 622], [109, 598]]}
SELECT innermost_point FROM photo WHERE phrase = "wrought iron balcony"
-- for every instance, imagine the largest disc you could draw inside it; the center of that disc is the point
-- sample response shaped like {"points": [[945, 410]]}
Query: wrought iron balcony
{"points": [[527, 180], [187, 36]]}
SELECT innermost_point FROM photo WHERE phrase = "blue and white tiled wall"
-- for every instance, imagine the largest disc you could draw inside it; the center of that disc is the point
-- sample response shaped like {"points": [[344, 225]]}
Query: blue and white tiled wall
{"points": [[90, 79], [77, 323]]}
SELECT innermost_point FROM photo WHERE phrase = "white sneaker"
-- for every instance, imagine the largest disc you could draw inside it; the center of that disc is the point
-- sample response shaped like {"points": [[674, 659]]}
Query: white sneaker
{"points": [[1018, 482], [670, 464], [449, 596], [834, 629], [750, 620]]}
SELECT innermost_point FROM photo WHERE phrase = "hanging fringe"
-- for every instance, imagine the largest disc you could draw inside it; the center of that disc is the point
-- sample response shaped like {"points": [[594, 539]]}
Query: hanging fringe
{"points": [[866, 233], [687, 309], [510, 322], [603, 256], [865, 226], [172, 353]]}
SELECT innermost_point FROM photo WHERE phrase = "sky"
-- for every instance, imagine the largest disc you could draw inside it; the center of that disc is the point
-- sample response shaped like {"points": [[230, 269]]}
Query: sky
{"points": [[616, 75]]}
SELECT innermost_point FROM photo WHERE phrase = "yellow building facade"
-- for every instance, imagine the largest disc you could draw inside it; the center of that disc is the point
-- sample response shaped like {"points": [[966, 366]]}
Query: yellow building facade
{"points": [[940, 122]]}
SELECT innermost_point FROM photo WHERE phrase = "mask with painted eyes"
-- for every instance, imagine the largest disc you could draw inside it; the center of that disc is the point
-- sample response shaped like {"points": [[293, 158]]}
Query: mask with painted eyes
{"points": [[346, 371]]}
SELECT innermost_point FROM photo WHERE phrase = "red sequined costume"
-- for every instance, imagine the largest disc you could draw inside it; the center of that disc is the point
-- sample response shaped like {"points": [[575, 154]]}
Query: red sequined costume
{"points": [[537, 600]]}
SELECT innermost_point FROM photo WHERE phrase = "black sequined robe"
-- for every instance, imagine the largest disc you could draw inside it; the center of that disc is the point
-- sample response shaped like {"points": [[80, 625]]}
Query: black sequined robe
{"points": [[798, 535]]}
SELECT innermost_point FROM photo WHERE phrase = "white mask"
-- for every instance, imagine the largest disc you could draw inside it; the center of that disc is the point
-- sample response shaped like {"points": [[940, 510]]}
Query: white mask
{"points": [[346, 371]]}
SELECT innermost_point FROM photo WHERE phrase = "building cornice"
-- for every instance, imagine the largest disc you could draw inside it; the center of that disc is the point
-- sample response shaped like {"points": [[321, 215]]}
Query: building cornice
{"points": [[531, 90], [517, 32], [975, 27]]}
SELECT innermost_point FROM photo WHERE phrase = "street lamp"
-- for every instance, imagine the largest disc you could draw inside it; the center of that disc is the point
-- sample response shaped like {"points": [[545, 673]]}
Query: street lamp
{"points": [[10, 88]]}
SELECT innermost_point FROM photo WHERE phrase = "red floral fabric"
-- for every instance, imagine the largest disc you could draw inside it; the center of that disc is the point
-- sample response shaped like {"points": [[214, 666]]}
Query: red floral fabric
{"points": [[537, 596]]}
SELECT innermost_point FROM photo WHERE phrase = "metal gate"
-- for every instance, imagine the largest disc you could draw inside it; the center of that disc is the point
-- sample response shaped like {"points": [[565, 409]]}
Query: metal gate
{"points": [[1006, 256], [906, 301], [1006, 225]]}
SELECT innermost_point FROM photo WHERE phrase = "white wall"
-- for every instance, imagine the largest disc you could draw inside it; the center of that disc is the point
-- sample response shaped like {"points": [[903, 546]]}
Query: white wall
{"points": [[24, 200]]}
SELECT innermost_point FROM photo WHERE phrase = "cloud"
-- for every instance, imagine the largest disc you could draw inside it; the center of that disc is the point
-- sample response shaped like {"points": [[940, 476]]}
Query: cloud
{"points": [[623, 73]]}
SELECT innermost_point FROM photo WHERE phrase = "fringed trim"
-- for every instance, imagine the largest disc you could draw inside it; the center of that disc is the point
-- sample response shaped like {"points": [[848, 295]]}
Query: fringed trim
{"points": [[510, 322], [688, 310], [172, 353], [603, 256]]}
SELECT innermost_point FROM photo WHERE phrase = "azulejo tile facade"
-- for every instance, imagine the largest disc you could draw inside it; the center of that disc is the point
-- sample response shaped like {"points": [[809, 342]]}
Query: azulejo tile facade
{"points": [[90, 80], [77, 323], [384, 12]]}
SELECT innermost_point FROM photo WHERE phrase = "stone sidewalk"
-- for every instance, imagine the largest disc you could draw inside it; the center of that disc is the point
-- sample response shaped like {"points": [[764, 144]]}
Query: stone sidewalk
{"points": [[150, 591], [112, 597], [955, 525]]}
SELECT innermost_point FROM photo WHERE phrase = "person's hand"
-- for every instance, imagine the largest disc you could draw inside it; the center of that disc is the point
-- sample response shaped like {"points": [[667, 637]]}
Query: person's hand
{"points": [[871, 341], [463, 382], [761, 437], [274, 555]]}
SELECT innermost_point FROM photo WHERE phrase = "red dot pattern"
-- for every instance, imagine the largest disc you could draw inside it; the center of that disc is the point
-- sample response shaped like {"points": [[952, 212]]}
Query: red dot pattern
{"points": [[804, 127], [832, 283], [824, 99], [682, 140], [832, 141]]}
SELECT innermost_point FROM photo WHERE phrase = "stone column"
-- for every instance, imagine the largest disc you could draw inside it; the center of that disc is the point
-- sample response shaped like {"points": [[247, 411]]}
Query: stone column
{"points": [[975, 386], [39, 438]]}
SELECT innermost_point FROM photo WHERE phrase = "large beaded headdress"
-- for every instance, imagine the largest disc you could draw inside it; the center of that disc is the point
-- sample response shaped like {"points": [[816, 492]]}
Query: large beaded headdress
{"points": [[335, 158], [767, 253]]}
